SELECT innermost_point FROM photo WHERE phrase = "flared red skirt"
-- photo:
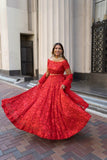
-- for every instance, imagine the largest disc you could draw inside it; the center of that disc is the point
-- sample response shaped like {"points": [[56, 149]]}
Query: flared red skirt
{"points": [[47, 110]]}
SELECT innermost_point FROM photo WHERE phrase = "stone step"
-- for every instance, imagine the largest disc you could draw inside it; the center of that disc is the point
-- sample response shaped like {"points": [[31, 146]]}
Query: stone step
{"points": [[99, 94], [32, 84], [16, 79], [96, 103], [8, 79]]}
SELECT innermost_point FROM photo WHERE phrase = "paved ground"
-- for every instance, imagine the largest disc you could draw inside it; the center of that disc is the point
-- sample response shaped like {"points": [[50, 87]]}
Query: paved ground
{"points": [[89, 144]]}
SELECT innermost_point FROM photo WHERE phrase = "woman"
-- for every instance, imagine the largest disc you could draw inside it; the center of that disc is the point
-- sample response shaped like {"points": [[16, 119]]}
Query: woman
{"points": [[49, 110]]}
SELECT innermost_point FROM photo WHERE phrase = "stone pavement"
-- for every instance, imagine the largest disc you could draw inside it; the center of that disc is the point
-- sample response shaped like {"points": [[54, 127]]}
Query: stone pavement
{"points": [[89, 144]]}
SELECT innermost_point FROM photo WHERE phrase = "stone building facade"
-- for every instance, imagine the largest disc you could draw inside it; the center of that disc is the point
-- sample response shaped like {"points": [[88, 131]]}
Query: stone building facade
{"points": [[29, 28]]}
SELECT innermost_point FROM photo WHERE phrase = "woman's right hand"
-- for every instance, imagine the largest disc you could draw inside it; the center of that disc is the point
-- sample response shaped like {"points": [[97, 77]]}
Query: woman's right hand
{"points": [[62, 86]]}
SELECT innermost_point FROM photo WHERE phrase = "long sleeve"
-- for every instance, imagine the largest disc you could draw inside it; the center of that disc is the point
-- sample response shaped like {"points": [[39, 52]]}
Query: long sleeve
{"points": [[68, 78], [45, 76], [42, 79]]}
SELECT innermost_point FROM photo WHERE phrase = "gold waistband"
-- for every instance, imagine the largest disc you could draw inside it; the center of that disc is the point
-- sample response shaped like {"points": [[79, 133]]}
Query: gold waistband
{"points": [[56, 74]]}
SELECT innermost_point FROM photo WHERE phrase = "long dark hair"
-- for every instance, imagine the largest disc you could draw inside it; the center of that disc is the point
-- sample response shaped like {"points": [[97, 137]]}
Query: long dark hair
{"points": [[61, 48]]}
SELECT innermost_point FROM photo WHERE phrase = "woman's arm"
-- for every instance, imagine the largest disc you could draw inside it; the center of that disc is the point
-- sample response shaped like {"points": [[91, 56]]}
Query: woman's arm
{"points": [[68, 80], [68, 71], [44, 77], [47, 73]]}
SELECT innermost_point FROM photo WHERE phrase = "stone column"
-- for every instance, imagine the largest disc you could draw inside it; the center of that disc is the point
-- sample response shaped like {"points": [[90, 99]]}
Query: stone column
{"points": [[88, 35], [0, 42], [82, 35], [4, 36], [55, 25], [105, 15]]}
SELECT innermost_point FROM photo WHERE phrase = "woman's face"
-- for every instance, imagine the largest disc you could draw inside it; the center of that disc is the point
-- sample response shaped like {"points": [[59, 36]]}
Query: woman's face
{"points": [[57, 50]]}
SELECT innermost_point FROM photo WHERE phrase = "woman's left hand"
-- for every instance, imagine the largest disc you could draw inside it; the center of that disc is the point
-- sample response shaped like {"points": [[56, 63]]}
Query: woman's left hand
{"points": [[62, 86]]}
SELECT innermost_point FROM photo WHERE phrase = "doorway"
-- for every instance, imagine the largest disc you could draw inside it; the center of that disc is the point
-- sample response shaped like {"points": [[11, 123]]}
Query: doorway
{"points": [[26, 56]]}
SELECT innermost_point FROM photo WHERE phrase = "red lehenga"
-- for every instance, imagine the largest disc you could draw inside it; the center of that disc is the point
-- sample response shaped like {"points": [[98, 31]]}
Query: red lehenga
{"points": [[47, 110]]}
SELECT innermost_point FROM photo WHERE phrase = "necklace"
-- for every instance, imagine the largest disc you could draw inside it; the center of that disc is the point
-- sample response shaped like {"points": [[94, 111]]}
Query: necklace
{"points": [[56, 59]]}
